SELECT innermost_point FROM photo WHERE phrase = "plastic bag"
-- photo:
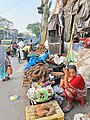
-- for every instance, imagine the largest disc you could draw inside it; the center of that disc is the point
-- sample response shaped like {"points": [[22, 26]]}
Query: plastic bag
{"points": [[57, 89], [58, 98]]}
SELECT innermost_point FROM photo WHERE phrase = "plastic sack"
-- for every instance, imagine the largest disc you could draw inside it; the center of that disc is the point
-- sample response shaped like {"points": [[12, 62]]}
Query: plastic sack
{"points": [[32, 61], [31, 93], [43, 58], [80, 116], [59, 60], [58, 98], [57, 89]]}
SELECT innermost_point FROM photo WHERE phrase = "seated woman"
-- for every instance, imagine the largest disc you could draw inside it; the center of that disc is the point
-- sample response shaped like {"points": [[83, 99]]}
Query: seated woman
{"points": [[73, 85]]}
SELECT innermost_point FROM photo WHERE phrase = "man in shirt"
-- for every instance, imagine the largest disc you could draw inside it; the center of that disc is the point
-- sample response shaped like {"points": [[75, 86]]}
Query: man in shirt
{"points": [[21, 45], [26, 50]]}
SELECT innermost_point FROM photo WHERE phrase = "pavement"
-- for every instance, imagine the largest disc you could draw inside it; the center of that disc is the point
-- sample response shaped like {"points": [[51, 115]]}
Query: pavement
{"points": [[78, 108], [15, 110]]}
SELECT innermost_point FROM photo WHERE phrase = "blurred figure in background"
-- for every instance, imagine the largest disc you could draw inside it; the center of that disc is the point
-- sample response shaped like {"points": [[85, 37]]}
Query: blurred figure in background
{"points": [[31, 44], [4, 61], [20, 46], [26, 50], [14, 44]]}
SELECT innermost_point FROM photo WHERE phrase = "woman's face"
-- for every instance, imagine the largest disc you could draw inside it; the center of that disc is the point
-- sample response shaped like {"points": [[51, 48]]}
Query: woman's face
{"points": [[72, 73]]}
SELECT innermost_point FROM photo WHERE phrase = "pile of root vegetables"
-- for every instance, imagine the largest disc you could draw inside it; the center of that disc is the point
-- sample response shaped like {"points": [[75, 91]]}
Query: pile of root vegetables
{"points": [[39, 50], [38, 73]]}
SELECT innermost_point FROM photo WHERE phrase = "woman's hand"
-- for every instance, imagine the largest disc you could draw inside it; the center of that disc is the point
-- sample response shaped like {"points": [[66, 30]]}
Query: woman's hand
{"points": [[9, 62], [65, 70]]}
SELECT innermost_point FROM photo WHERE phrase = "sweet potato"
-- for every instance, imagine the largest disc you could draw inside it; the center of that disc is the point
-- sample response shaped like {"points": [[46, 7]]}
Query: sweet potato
{"points": [[42, 113], [51, 111], [46, 84], [42, 107], [40, 73], [36, 72]]}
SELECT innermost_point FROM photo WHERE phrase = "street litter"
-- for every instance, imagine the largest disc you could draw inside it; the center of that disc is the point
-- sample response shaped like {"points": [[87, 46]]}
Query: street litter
{"points": [[14, 97]]}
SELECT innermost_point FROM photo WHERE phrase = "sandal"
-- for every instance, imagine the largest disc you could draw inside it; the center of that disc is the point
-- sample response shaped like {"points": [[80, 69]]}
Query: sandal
{"points": [[7, 78], [3, 80], [66, 110]]}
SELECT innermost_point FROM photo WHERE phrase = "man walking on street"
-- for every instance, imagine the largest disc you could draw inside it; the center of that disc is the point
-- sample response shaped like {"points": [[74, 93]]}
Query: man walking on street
{"points": [[21, 45]]}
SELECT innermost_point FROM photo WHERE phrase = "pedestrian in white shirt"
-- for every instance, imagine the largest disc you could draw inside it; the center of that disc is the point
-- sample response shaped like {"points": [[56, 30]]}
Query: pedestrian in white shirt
{"points": [[21, 45]]}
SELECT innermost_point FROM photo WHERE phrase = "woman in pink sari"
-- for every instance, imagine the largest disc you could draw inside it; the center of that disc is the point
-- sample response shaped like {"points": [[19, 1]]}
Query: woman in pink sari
{"points": [[73, 85]]}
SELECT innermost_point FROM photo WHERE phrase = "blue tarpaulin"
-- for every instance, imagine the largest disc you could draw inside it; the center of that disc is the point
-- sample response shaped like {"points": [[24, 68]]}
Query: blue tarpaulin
{"points": [[77, 45], [34, 60]]}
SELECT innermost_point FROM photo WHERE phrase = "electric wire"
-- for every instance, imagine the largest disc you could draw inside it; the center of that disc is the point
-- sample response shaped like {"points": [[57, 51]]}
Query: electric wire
{"points": [[12, 6]]}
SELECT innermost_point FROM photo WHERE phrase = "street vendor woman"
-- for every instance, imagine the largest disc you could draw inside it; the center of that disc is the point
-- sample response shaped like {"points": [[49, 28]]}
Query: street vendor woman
{"points": [[73, 85]]}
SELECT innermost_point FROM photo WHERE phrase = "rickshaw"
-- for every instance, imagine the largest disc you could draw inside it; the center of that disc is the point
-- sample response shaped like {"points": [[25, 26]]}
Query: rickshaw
{"points": [[7, 44]]}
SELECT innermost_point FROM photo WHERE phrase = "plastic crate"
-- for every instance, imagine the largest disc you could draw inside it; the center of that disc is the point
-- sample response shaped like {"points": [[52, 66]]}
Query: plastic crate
{"points": [[58, 115]]}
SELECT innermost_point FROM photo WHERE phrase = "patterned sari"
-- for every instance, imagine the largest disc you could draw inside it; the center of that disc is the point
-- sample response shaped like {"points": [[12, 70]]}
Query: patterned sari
{"points": [[3, 63], [76, 88]]}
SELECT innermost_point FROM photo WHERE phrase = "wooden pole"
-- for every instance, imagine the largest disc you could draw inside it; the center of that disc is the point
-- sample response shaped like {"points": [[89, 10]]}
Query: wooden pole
{"points": [[73, 31]]}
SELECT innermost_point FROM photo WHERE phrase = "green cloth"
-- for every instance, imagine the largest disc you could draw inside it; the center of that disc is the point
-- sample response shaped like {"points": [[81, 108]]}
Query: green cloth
{"points": [[73, 56], [30, 55]]}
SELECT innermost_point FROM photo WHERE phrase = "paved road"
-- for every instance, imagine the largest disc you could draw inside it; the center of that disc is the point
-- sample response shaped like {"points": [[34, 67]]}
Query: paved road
{"points": [[13, 110]]}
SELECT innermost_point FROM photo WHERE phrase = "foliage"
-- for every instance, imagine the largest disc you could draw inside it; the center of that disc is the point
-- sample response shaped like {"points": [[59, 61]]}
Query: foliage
{"points": [[34, 28], [6, 23]]}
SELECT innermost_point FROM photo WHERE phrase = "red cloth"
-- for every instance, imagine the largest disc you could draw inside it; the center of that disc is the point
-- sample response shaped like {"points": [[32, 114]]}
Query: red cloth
{"points": [[78, 82]]}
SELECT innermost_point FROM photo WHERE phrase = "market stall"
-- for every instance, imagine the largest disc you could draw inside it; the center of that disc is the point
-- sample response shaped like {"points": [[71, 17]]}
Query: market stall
{"points": [[43, 78]]}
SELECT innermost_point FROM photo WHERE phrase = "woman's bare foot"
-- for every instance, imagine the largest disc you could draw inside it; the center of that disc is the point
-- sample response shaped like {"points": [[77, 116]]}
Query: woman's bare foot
{"points": [[68, 107]]}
